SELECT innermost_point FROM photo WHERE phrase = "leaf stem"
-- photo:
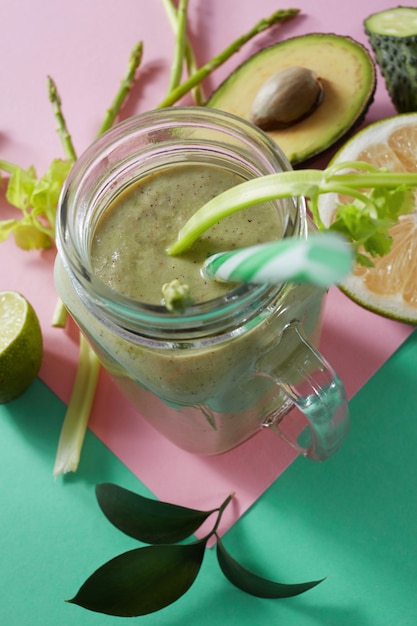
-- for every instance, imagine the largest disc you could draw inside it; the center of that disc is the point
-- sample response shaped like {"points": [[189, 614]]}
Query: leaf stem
{"points": [[61, 128], [220, 510], [205, 70], [124, 89]]}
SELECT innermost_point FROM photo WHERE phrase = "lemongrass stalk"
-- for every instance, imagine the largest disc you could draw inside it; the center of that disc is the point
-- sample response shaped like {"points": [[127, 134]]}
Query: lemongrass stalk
{"points": [[126, 84], [205, 70], [61, 127], [180, 43], [76, 419]]}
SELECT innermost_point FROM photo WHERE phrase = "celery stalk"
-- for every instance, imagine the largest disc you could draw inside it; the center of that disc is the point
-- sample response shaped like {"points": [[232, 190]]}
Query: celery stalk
{"points": [[365, 221], [76, 419], [60, 315], [79, 407]]}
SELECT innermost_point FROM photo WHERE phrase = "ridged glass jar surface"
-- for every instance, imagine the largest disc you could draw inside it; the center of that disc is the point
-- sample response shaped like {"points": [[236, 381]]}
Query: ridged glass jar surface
{"points": [[209, 377]]}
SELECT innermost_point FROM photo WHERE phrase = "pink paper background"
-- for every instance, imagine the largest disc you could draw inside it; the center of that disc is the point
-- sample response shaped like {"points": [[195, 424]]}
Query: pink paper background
{"points": [[84, 46]]}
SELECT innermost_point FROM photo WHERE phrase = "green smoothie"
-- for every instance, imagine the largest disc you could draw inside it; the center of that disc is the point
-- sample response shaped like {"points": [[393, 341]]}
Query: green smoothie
{"points": [[206, 395], [129, 246], [209, 375]]}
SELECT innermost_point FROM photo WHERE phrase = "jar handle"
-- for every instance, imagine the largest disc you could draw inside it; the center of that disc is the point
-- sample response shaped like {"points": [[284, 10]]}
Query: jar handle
{"points": [[310, 383]]}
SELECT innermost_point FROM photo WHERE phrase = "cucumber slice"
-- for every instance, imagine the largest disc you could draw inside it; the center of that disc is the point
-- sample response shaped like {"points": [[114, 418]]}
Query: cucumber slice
{"points": [[398, 22], [392, 35]]}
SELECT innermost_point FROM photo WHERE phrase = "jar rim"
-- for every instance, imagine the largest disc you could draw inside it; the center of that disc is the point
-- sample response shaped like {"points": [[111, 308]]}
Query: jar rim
{"points": [[100, 163]]}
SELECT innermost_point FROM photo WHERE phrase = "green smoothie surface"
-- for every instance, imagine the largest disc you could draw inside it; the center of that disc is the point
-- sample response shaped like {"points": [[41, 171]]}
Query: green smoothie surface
{"points": [[128, 249]]}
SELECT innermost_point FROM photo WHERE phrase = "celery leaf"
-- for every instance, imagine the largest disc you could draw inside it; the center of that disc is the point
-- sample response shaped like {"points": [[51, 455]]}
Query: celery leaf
{"points": [[37, 198]]}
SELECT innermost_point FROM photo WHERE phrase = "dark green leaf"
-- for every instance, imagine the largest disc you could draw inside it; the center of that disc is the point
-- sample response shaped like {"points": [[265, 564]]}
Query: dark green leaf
{"points": [[145, 519], [253, 584], [142, 581], [364, 260], [378, 244]]}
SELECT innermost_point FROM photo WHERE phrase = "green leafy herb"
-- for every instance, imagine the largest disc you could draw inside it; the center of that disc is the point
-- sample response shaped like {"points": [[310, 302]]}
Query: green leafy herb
{"points": [[152, 577], [365, 220], [37, 199]]}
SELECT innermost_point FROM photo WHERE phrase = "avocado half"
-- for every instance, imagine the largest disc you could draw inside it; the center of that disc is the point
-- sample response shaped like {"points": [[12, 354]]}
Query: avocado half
{"points": [[348, 77]]}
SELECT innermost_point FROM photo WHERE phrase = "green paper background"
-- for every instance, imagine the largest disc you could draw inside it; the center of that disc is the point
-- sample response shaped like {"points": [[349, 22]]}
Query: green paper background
{"points": [[352, 519]]}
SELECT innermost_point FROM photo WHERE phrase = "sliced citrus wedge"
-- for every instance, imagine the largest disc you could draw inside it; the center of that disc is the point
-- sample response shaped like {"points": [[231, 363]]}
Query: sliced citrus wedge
{"points": [[21, 347], [390, 286]]}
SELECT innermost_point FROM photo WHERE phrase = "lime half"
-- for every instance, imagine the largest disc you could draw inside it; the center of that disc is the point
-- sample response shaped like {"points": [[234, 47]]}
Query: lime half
{"points": [[21, 347]]}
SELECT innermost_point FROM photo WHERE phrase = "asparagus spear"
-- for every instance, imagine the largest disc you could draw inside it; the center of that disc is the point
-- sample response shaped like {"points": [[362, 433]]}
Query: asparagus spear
{"points": [[205, 70], [78, 411], [124, 89], [197, 91], [180, 42], [61, 125]]}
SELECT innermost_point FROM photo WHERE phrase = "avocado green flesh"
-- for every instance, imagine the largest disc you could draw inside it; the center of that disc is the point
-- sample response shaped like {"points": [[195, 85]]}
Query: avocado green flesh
{"points": [[392, 35], [347, 73]]}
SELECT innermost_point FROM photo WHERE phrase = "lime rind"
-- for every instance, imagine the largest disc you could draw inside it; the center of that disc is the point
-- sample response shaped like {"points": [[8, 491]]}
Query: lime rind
{"points": [[21, 346]]}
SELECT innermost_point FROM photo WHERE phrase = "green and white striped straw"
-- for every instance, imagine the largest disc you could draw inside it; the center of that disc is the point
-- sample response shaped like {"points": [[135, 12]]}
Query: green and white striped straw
{"points": [[322, 259]]}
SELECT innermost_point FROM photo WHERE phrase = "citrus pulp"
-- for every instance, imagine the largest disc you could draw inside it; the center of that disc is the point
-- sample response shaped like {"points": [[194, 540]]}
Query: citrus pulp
{"points": [[20, 345], [390, 286]]}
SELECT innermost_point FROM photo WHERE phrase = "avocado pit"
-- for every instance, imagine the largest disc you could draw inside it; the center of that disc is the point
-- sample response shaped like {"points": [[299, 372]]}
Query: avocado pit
{"points": [[286, 97], [347, 73]]}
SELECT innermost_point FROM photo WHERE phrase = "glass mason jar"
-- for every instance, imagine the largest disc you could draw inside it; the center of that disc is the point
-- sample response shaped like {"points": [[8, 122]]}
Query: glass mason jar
{"points": [[212, 376]]}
